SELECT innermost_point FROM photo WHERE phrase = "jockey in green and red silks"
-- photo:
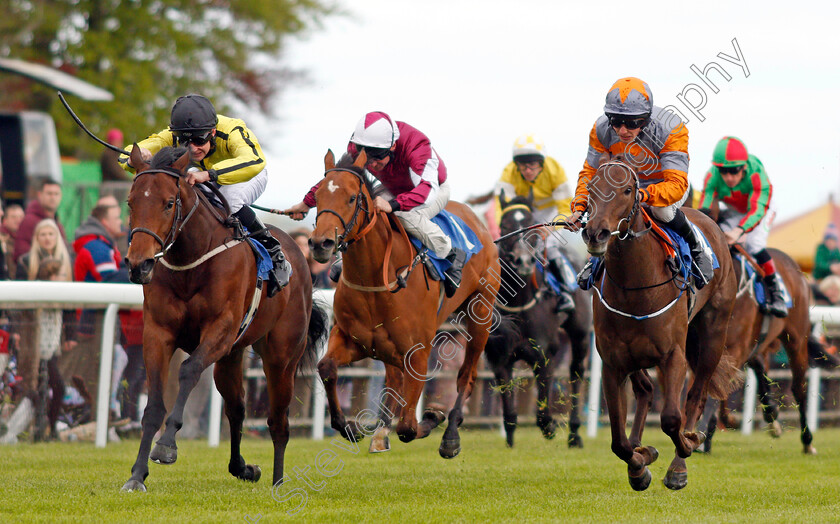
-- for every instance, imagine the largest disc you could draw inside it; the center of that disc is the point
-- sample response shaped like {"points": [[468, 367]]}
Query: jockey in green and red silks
{"points": [[738, 179]]}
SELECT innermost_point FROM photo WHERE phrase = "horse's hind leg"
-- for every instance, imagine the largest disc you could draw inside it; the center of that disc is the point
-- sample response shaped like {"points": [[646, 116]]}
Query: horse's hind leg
{"points": [[156, 360], [637, 459], [389, 399], [769, 406], [643, 391], [479, 323], [544, 373], [228, 376], [797, 350], [672, 378], [504, 375]]}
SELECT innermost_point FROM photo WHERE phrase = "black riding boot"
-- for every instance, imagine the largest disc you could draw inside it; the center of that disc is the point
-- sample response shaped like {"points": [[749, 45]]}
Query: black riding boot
{"points": [[585, 274], [702, 261], [335, 270], [452, 276], [564, 299], [278, 276], [774, 300]]}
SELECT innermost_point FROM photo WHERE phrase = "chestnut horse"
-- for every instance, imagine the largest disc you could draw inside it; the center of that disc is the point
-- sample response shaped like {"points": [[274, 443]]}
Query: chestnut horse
{"points": [[646, 317], [375, 318], [525, 299], [753, 337], [199, 281]]}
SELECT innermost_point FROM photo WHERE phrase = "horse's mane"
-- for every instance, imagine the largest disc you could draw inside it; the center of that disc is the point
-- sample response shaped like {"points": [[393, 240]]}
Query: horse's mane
{"points": [[167, 156], [346, 163]]}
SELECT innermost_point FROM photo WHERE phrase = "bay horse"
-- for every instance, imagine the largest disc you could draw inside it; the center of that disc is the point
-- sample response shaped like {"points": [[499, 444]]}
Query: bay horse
{"points": [[376, 317], [525, 299], [199, 281], [644, 316], [753, 337]]}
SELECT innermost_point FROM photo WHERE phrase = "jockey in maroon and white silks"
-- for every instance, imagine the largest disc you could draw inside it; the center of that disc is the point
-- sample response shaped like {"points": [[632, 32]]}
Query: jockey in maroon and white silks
{"points": [[414, 179]]}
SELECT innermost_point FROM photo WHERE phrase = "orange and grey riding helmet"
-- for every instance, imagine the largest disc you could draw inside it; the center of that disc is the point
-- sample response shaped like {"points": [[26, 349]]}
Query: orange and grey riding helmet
{"points": [[629, 97], [730, 152]]}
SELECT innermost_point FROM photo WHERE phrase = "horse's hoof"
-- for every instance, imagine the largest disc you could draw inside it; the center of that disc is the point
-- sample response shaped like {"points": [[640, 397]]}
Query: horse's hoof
{"points": [[407, 434], [351, 434], [575, 441], [650, 453], [550, 430], [250, 473], [775, 429], [434, 416], [809, 450], [133, 485], [450, 447], [163, 454], [675, 479], [380, 445], [509, 441], [641, 482]]}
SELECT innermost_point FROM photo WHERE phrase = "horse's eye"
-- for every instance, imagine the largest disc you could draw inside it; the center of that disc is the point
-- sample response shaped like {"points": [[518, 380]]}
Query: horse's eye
{"points": [[352, 199], [628, 190], [170, 204]]}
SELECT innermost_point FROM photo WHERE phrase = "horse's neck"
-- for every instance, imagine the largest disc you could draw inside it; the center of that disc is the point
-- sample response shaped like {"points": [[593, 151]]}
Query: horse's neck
{"points": [[201, 234], [364, 257], [515, 291], [638, 261]]}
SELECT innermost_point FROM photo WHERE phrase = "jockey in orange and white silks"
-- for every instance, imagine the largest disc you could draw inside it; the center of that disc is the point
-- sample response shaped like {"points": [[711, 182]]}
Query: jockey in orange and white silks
{"points": [[738, 179], [656, 143], [414, 179]]}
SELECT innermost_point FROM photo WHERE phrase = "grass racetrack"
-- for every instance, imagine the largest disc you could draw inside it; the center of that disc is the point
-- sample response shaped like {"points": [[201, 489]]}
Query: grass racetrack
{"points": [[746, 479]]}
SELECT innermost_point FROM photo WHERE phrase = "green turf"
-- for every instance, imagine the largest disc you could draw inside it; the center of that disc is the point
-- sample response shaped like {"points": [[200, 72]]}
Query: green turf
{"points": [[747, 479]]}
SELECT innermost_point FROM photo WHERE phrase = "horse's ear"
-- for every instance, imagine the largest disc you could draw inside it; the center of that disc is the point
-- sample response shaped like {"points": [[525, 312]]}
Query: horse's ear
{"points": [[181, 164], [361, 160], [503, 201], [604, 158], [329, 159], [136, 159]]}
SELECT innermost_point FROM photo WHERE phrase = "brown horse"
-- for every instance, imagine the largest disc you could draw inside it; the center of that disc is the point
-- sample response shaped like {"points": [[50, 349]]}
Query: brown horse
{"points": [[396, 327], [646, 317], [753, 337], [199, 281]]}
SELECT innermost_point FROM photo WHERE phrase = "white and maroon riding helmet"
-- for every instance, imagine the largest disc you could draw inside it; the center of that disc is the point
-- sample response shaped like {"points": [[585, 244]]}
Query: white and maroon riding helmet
{"points": [[375, 130]]}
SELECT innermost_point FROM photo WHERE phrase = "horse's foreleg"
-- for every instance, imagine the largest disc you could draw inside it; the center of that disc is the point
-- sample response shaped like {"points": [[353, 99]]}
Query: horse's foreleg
{"points": [[643, 391], [341, 350], [637, 459], [280, 379], [580, 349], [414, 379], [228, 377], [769, 406], [544, 374], [504, 384], [797, 350], [672, 379], [156, 356]]}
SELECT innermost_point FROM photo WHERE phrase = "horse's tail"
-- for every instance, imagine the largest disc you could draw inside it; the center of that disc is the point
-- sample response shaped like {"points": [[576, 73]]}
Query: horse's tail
{"points": [[819, 357], [727, 378], [318, 329]]}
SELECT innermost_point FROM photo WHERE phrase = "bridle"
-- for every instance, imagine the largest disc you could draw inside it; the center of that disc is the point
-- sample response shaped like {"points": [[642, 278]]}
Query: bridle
{"points": [[628, 234], [340, 243], [166, 244]]}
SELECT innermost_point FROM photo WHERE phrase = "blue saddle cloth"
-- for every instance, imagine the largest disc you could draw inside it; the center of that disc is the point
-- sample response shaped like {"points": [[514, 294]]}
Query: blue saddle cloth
{"points": [[264, 264], [459, 233], [569, 286], [758, 283], [685, 252]]}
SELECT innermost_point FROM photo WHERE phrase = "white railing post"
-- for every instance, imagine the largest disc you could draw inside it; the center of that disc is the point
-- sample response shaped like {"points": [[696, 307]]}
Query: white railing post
{"points": [[812, 415], [106, 363], [214, 431], [594, 400], [749, 402]]}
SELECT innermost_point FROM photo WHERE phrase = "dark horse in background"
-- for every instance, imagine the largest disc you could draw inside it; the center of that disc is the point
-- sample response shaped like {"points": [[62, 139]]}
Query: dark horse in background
{"points": [[199, 280], [645, 317], [378, 318], [525, 299]]}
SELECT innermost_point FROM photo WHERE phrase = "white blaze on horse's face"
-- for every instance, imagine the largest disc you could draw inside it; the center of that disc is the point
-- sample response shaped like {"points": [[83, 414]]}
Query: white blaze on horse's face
{"points": [[332, 186], [519, 216], [146, 193]]}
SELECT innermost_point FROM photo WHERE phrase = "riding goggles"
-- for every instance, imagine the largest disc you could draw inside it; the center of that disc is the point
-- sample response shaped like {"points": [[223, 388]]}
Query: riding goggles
{"points": [[733, 170], [617, 121], [374, 153], [195, 138]]}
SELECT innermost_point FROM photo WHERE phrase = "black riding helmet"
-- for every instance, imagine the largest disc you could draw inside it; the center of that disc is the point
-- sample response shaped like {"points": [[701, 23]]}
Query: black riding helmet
{"points": [[192, 114]]}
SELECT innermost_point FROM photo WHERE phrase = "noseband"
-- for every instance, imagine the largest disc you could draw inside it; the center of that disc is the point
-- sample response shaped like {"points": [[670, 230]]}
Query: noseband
{"points": [[341, 244], [628, 233], [175, 229]]}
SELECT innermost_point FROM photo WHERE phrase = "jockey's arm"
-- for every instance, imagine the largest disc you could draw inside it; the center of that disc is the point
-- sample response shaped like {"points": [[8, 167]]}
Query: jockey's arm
{"points": [[759, 201], [149, 147], [243, 160]]}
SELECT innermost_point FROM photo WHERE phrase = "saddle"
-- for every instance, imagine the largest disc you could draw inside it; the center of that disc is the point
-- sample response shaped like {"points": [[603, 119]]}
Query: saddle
{"points": [[462, 237]]}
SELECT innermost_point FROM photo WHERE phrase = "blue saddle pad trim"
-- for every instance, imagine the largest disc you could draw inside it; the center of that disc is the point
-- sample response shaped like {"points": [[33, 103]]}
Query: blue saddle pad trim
{"points": [[264, 264], [569, 286], [758, 284], [685, 252], [458, 232]]}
